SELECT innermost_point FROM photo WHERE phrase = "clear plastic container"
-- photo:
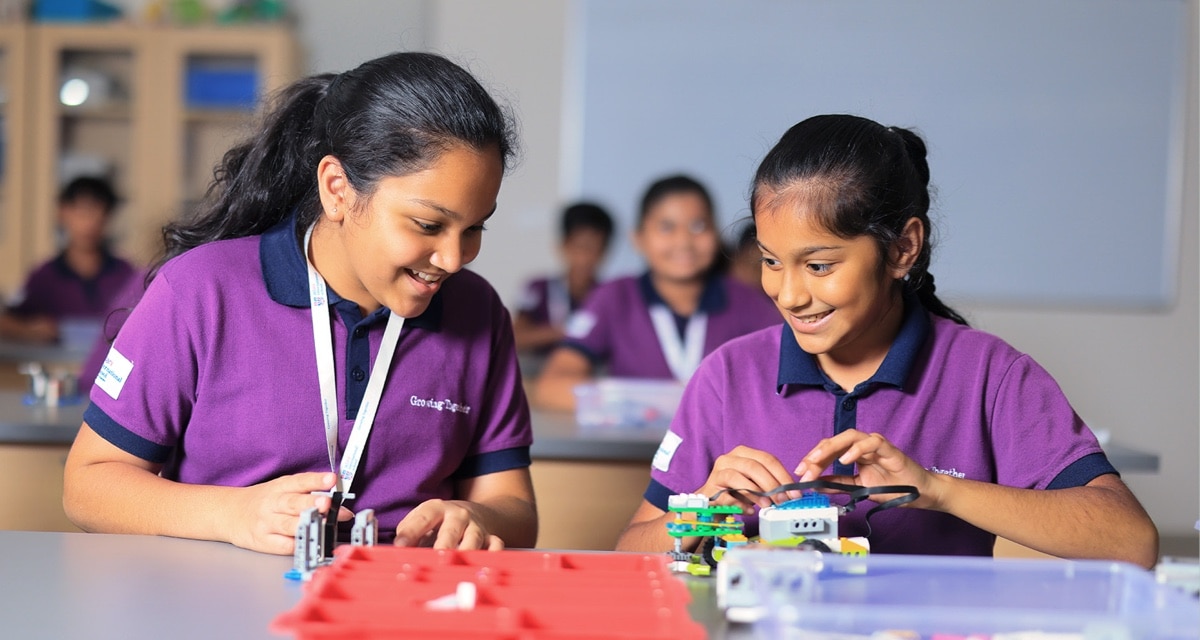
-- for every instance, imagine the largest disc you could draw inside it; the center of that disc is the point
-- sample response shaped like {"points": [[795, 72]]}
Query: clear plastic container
{"points": [[627, 403], [803, 592]]}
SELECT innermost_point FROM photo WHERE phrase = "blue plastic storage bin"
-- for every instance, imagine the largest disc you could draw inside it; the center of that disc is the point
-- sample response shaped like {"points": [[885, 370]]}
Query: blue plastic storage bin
{"points": [[73, 10], [221, 87]]}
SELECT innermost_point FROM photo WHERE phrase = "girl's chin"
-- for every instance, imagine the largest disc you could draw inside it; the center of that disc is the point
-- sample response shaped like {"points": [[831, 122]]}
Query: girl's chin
{"points": [[409, 306]]}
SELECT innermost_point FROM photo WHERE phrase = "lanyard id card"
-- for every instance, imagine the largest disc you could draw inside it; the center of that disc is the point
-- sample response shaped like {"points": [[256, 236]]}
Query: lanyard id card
{"points": [[323, 341], [683, 357]]}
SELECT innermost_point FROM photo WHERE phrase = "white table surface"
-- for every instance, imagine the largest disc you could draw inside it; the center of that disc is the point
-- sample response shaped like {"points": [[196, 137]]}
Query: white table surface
{"points": [[96, 586]]}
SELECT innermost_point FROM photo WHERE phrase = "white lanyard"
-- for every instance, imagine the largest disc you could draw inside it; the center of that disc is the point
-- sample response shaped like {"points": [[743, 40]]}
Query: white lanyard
{"points": [[558, 301], [323, 340], [682, 357]]}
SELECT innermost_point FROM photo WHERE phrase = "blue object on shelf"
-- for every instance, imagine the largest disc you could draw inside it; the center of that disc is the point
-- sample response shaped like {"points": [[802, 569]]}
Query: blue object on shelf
{"points": [[221, 87], [73, 11]]}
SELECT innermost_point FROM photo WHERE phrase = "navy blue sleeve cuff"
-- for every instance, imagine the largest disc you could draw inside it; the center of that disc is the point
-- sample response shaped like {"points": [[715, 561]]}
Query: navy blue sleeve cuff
{"points": [[123, 438], [587, 353], [1083, 471], [493, 462], [657, 494]]}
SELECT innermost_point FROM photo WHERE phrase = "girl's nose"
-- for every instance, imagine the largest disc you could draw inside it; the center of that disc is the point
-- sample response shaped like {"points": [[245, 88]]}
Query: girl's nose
{"points": [[793, 291], [449, 255]]}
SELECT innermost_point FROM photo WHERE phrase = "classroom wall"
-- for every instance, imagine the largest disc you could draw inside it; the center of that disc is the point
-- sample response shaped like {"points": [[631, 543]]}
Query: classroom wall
{"points": [[1136, 374], [335, 36]]}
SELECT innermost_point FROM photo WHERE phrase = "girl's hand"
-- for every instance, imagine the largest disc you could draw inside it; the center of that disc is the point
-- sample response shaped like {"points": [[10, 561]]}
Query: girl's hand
{"points": [[269, 513], [452, 524], [746, 468], [879, 463]]}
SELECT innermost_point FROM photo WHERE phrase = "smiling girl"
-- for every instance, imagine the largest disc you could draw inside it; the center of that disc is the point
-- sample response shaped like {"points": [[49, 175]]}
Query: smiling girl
{"points": [[279, 346], [874, 381]]}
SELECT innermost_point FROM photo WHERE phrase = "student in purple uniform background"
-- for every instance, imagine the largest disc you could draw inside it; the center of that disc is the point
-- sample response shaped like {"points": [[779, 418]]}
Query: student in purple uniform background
{"points": [[874, 381], [586, 230], [121, 306], [660, 324], [81, 281], [310, 329]]}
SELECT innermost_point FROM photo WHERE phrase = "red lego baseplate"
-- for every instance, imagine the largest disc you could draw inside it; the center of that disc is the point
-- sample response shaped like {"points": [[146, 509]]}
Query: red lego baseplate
{"points": [[385, 592]]}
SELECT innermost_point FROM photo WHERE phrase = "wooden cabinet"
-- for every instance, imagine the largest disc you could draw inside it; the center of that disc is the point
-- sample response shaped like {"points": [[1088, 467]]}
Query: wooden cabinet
{"points": [[14, 231], [127, 116], [33, 499], [586, 504]]}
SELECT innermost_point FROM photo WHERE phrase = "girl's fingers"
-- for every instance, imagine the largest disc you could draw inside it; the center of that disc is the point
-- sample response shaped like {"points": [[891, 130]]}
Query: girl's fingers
{"points": [[279, 526], [752, 469], [451, 534], [825, 452], [280, 544], [779, 473], [419, 522], [748, 475], [308, 482], [871, 450], [473, 538]]}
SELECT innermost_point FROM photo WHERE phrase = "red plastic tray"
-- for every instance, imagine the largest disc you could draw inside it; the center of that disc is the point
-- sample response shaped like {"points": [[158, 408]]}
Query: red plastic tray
{"points": [[381, 592]]}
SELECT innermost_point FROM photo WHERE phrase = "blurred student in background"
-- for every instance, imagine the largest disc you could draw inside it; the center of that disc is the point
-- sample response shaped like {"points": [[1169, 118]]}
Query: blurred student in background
{"points": [[586, 230], [745, 261], [78, 283], [122, 305], [662, 323]]}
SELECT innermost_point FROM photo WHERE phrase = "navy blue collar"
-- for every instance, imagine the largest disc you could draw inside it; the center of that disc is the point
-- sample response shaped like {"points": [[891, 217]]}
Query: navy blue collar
{"points": [[107, 262], [800, 368], [286, 274], [713, 298]]}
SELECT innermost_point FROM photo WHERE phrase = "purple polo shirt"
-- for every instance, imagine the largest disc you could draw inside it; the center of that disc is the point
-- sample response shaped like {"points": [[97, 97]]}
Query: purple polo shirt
{"points": [[955, 400], [223, 387], [56, 290], [614, 328]]}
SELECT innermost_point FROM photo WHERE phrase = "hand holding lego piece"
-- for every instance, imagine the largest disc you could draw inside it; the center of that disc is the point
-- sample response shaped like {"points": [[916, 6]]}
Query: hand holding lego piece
{"points": [[267, 514], [747, 468], [452, 524], [878, 463]]}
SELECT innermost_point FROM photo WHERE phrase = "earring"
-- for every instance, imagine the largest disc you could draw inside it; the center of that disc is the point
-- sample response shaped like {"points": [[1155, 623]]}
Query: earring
{"points": [[334, 210]]}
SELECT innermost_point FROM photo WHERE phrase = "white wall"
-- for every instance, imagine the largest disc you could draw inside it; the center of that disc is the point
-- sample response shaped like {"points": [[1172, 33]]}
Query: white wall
{"points": [[1134, 373], [517, 51], [336, 36]]}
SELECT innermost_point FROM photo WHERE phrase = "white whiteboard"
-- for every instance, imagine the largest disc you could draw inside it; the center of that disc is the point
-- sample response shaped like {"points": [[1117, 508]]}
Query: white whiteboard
{"points": [[1055, 127]]}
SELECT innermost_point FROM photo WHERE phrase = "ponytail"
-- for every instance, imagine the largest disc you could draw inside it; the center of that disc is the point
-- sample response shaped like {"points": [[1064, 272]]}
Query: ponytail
{"points": [[920, 281], [390, 116], [924, 289], [261, 181]]}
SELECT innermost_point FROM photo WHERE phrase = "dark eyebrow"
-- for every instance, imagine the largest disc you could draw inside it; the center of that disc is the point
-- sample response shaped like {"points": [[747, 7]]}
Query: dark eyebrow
{"points": [[808, 251], [805, 252], [453, 215]]}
